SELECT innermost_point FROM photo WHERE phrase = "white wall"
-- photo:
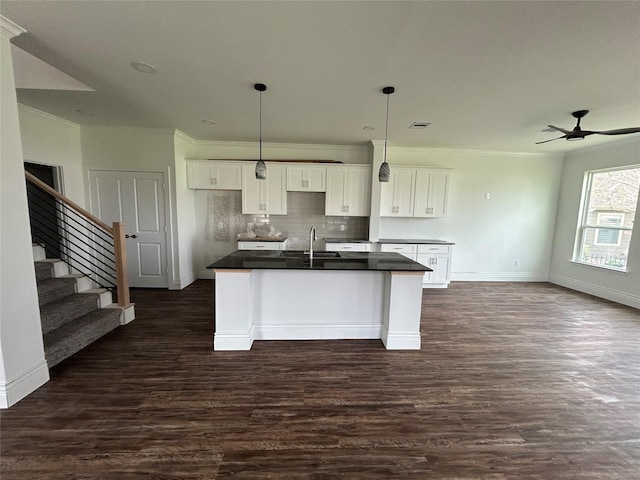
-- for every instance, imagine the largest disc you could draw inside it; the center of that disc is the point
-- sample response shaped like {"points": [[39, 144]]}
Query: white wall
{"points": [[279, 151], [622, 287], [516, 223], [137, 150], [185, 221], [50, 140], [22, 364]]}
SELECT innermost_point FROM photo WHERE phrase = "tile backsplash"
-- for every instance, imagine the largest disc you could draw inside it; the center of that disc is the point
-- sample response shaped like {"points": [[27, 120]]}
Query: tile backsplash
{"points": [[219, 212]]}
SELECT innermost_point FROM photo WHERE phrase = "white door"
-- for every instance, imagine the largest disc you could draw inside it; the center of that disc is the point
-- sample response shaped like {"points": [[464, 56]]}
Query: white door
{"points": [[137, 199]]}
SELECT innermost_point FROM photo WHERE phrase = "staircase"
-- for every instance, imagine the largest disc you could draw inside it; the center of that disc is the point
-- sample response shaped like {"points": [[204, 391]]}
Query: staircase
{"points": [[73, 313]]}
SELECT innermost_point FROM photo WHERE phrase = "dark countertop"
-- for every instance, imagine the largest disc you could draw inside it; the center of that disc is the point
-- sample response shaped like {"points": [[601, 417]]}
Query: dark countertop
{"points": [[425, 242], [293, 260], [345, 240]]}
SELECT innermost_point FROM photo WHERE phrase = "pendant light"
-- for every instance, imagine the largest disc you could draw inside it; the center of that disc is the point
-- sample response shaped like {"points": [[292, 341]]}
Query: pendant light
{"points": [[385, 172], [261, 168]]}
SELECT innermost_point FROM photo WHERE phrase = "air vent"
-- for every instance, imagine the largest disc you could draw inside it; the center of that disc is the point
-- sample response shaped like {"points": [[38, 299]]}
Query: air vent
{"points": [[419, 125]]}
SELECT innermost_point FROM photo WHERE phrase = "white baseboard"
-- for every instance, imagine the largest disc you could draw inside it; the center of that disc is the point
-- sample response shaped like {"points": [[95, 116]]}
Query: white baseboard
{"points": [[183, 282], [596, 290], [15, 390], [499, 277]]}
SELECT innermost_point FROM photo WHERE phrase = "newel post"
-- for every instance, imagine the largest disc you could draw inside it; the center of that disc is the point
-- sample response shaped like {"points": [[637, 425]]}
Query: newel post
{"points": [[122, 278]]}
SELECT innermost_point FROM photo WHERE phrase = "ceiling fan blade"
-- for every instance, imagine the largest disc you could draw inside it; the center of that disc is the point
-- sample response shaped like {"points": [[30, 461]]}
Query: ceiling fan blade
{"points": [[558, 129], [537, 143], [620, 131]]}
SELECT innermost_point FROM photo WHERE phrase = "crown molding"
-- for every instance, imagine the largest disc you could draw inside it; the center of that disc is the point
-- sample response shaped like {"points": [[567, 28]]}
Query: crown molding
{"points": [[180, 134], [34, 111], [314, 146], [10, 29]]}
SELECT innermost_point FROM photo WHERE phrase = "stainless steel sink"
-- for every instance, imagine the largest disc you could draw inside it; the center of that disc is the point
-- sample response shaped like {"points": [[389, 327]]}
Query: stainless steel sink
{"points": [[303, 255]]}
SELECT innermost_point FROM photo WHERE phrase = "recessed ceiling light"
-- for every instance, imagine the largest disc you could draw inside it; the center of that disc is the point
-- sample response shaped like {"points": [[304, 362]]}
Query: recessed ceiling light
{"points": [[419, 125], [368, 127], [208, 122], [143, 67], [85, 112]]}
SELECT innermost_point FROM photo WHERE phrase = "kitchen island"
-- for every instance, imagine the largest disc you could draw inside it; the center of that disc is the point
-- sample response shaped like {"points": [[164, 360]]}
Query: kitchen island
{"points": [[283, 295]]}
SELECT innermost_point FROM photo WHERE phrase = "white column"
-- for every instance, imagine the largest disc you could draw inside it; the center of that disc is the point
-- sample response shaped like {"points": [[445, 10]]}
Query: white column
{"points": [[22, 364], [377, 155], [234, 310], [403, 306]]}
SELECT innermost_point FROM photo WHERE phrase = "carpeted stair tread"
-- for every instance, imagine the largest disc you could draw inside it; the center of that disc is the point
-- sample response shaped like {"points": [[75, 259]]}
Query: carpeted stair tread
{"points": [[54, 288], [77, 334], [64, 310], [43, 270]]}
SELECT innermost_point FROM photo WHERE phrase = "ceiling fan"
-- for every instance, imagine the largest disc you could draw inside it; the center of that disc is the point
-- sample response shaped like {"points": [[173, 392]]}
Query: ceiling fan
{"points": [[578, 134]]}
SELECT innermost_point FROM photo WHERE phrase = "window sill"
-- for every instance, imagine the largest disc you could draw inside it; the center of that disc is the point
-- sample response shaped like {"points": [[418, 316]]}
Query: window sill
{"points": [[600, 267]]}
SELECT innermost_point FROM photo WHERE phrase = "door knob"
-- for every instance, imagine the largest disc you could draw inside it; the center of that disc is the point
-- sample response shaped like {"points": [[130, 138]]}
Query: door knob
{"points": [[131, 236]]}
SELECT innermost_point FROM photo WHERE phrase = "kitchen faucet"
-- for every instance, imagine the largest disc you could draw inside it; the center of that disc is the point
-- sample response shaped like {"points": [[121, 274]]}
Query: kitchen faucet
{"points": [[312, 238]]}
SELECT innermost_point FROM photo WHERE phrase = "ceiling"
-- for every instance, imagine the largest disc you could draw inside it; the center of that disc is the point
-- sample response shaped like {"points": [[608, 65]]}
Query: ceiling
{"points": [[487, 75]]}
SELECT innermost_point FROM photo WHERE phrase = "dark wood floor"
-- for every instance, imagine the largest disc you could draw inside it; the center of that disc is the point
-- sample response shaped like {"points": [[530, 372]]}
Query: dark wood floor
{"points": [[514, 381]]}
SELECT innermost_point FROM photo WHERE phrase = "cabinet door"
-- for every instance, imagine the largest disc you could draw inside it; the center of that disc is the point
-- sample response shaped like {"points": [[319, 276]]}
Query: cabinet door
{"points": [[302, 178], [357, 196], [214, 175], [227, 176], [432, 190], [276, 191], [334, 199], [253, 197], [440, 263], [397, 195]]}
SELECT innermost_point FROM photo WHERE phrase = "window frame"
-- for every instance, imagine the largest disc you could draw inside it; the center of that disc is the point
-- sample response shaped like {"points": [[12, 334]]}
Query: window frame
{"points": [[583, 225], [617, 228]]}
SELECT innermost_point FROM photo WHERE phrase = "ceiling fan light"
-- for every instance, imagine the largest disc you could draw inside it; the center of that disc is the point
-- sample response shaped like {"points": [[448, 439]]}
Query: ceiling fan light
{"points": [[573, 139]]}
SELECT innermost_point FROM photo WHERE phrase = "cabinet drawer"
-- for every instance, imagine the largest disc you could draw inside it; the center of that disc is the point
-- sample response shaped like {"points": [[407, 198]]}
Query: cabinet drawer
{"points": [[260, 245], [434, 248], [398, 247], [348, 247]]}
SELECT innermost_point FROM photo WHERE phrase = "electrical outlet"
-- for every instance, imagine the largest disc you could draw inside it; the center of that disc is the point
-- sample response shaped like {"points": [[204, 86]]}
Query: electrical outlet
{"points": [[516, 263]]}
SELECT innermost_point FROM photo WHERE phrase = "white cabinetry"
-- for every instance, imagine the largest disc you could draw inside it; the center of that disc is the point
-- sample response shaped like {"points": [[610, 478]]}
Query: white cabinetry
{"points": [[304, 178], [415, 192], [438, 259], [348, 190], [432, 192], [251, 245], [397, 195], [210, 175], [435, 256], [347, 247], [264, 196]]}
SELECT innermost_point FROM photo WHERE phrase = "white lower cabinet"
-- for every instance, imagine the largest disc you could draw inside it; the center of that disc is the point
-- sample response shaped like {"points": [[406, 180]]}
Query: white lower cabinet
{"points": [[347, 247], [436, 257], [249, 245]]}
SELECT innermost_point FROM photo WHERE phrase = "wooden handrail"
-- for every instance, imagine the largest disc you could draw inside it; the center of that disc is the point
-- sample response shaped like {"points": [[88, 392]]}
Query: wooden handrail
{"points": [[116, 231], [65, 200]]}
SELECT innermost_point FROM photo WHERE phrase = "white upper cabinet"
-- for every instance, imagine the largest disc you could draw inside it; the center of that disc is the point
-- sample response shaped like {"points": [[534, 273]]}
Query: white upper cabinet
{"points": [[348, 191], [415, 192], [397, 195], [214, 175], [264, 196], [432, 193], [303, 178]]}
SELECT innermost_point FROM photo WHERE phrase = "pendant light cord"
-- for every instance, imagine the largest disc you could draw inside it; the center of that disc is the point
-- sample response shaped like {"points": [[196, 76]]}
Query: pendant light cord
{"points": [[260, 125], [386, 129]]}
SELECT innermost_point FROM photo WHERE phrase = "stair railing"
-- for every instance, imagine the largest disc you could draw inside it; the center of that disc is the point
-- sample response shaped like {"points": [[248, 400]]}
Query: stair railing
{"points": [[101, 254]]}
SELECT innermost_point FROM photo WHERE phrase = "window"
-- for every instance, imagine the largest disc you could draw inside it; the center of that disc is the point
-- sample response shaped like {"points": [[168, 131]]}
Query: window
{"points": [[610, 198], [609, 236]]}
